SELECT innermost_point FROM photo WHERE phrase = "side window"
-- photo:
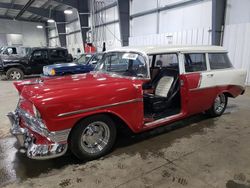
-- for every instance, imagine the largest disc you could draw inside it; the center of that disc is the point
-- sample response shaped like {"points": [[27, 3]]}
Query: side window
{"points": [[58, 54], [166, 60], [40, 54], [37, 54], [195, 62], [219, 61]]}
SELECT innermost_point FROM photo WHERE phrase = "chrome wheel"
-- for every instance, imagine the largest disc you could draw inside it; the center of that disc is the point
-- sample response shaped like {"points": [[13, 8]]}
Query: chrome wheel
{"points": [[95, 137], [15, 75], [220, 103]]}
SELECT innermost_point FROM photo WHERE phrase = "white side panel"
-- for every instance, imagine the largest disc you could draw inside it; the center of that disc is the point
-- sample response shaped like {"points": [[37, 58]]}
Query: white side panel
{"points": [[223, 77]]}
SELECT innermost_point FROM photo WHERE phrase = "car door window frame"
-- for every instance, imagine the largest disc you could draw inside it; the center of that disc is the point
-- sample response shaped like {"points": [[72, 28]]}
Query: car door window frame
{"points": [[205, 58]]}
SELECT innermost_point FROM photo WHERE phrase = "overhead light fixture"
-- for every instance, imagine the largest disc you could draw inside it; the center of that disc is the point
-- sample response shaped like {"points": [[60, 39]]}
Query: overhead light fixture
{"points": [[68, 11], [39, 27], [50, 21]]}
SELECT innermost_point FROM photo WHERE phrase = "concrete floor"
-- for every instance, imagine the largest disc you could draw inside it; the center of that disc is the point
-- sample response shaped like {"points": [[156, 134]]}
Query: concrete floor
{"points": [[197, 152]]}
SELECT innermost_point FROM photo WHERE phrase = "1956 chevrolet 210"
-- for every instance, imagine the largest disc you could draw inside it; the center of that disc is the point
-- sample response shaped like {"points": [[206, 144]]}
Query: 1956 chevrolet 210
{"points": [[139, 88]]}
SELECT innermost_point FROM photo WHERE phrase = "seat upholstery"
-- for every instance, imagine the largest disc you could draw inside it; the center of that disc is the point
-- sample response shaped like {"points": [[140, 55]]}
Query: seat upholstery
{"points": [[166, 89], [163, 86]]}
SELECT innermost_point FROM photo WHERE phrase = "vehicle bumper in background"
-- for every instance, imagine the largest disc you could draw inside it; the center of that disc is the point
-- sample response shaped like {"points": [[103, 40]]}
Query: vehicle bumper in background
{"points": [[27, 141]]}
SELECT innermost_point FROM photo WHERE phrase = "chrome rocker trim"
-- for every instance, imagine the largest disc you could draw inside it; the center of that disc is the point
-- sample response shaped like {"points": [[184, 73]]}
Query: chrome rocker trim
{"points": [[27, 141]]}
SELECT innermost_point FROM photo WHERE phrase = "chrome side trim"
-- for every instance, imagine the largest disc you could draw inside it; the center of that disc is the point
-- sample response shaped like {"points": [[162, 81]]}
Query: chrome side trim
{"points": [[99, 107]]}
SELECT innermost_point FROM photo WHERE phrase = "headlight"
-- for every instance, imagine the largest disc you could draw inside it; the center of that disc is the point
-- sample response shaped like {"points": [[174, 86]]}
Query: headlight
{"points": [[52, 72], [36, 112]]}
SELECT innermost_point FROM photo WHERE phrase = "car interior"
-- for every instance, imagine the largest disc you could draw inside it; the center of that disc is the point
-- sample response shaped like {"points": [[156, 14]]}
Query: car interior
{"points": [[162, 93]]}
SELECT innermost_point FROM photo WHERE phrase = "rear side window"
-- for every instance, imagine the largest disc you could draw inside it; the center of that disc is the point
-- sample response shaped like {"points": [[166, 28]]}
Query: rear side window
{"points": [[219, 61], [195, 62], [57, 54]]}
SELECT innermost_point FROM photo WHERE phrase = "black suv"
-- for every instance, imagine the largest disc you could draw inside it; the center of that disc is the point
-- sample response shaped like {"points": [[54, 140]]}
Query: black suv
{"points": [[15, 67]]}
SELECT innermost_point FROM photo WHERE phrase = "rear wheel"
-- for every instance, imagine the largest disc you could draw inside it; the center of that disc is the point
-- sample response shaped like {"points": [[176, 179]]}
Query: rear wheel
{"points": [[15, 74], [219, 106], [93, 137]]}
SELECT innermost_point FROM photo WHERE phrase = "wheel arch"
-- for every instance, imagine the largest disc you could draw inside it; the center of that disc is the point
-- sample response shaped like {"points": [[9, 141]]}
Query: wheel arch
{"points": [[121, 124]]}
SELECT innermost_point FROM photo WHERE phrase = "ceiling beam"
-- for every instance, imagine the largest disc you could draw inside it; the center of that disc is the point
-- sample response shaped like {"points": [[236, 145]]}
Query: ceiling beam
{"points": [[34, 10], [25, 7]]}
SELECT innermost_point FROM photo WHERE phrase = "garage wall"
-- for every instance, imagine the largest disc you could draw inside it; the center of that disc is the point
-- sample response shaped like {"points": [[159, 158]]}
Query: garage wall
{"points": [[105, 25], [189, 24], [53, 35], [74, 36], [237, 32], [21, 33]]}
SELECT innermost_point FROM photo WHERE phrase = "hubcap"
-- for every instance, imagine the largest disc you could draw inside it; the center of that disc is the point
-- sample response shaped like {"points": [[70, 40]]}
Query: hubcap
{"points": [[15, 75], [220, 103], [95, 137]]}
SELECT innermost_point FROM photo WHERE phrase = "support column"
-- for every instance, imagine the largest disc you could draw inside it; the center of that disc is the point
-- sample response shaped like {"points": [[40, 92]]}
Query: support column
{"points": [[83, 10], [218, 20], [123, 10], [59, 18]]}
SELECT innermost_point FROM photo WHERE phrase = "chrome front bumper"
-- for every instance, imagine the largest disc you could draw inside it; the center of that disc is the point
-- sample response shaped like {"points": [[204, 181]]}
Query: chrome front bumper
{"points": [[27, 141]]}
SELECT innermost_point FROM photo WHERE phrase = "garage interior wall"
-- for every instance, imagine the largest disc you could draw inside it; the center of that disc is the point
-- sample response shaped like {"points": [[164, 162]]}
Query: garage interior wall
{"points": [[105, 25], [53, 35], [21, 33], [74, 36], [237, 32], [188, 24]]}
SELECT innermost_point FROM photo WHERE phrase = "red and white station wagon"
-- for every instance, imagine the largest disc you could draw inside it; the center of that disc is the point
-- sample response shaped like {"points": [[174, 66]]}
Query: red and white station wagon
{"points": [[140, 88]]}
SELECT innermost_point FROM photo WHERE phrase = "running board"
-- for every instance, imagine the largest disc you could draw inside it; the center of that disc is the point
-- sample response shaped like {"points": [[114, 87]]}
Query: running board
{"points": [[162, 121]]}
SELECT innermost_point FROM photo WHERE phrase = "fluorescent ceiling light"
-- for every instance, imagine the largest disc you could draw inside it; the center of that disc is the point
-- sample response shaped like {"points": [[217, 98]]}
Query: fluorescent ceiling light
{"points": [[39, 26], [68, 11], [50, 21]]}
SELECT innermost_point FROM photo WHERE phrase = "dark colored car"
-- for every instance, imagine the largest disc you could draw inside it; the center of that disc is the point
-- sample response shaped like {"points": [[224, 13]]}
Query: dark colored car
{"points": [[84, 64], [15, 67]]}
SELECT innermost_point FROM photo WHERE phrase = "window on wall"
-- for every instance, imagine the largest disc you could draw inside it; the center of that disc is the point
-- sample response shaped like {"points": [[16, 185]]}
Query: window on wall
{"points": [[219, 61], [195, 62]]}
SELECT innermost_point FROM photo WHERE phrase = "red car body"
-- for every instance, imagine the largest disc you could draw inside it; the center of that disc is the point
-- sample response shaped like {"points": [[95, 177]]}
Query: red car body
{"points": [[63, 101]]}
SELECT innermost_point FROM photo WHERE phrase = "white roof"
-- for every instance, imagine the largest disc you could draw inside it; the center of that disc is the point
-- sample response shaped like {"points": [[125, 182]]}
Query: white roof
{"points": [[172, 49]]}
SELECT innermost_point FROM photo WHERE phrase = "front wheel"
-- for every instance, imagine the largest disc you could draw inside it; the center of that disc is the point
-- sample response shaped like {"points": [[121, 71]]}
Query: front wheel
{"points": [[219, 106], [15, 74], [93, 137]]}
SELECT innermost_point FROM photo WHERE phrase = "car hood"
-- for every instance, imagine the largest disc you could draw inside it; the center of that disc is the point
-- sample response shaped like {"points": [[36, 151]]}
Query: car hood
{"points": [[62, 65], [53, 86]]}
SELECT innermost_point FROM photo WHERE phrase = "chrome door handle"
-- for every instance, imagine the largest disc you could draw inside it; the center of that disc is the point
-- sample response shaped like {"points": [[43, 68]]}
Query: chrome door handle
{"points": [[210, 75]]}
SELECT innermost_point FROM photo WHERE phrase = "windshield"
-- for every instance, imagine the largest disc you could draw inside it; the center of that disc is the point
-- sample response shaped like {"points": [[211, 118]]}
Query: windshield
{"points": [[84, 59], [123, 63]]}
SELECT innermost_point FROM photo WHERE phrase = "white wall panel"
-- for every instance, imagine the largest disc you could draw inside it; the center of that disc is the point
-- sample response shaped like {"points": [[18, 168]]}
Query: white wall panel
{"points": [[111, 14], [237, 42], [163, 3], [236, 34], [237, 11], [142, 5], [111, 35], [31, 36], [144, 25], [200, 36], [192, 16]]}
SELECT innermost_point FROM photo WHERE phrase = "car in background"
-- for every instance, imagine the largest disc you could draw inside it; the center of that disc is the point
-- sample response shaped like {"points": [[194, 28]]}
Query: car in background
{"points": [[84, 64], [14, 50], [15, 67]]}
